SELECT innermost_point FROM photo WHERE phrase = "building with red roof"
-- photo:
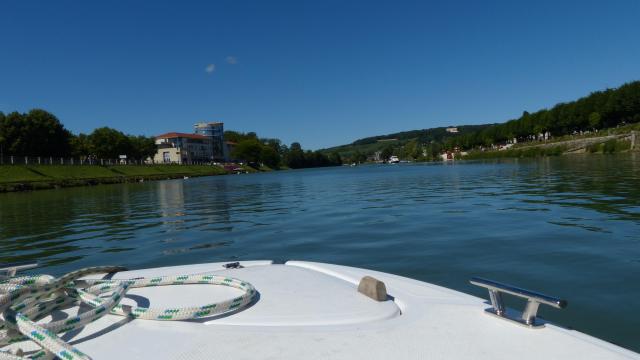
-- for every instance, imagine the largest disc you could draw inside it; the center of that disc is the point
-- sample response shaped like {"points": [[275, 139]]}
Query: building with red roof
{"points": [[183, 148]]}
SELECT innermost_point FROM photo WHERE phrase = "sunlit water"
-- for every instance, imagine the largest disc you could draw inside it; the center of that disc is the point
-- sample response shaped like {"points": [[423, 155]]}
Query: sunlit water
{"points": [[566, 226]]}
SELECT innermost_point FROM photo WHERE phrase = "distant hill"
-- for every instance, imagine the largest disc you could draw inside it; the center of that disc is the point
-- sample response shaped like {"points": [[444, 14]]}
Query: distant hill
{"points": [[599, 110], [372, 144]]}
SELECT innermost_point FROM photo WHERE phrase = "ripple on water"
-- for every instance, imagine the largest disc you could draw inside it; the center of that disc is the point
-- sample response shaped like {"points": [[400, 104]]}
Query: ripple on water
{"points": [[569, 228]]}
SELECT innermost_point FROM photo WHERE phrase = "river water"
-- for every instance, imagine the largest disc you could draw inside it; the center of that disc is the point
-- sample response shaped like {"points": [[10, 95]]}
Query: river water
{"points": [[566, 226]]}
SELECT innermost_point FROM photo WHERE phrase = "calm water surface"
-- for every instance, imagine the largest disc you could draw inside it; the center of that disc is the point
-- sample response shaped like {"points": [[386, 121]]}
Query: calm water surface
{"points": [[566, 226]]}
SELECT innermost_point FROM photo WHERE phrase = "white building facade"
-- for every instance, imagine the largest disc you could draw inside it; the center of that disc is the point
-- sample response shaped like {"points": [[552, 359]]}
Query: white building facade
{"points": [[182, 148]]}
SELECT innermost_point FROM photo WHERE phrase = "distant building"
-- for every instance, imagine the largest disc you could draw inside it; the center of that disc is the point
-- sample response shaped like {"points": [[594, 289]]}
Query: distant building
{"points": [[214, 131], [377, 156], [452, 130], [181, 148], [448, 156]]}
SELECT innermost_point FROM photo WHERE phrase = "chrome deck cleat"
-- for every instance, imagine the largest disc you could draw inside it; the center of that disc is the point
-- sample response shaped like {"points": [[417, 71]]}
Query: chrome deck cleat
{"points": [[534, 300]]}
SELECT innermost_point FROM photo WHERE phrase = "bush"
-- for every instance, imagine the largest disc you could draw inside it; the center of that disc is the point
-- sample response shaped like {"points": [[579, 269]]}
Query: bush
{"points": [[593, 148]]}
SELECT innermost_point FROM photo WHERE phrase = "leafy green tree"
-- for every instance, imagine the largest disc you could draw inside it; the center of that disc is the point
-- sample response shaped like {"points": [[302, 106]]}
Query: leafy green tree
{"points": [[249, 150], [594, 120], [387, 152], [235, 136], [412, 149], [108, 143], [81, 146], [335, 158], [275, 144], [269, 156], [359, 157], [296, 158], [36, 133], [142, 147], [3, 140]]}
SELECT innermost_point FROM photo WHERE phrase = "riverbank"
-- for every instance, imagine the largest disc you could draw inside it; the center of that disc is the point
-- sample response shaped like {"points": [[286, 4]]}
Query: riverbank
{"points": [[605, 144], [37, 177]]}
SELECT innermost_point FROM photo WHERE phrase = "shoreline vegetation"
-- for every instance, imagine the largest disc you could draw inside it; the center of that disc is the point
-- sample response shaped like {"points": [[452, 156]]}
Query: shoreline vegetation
{"points": [[41, 177], [614, 111], [31, 143], [39, 134], [606, 144]]}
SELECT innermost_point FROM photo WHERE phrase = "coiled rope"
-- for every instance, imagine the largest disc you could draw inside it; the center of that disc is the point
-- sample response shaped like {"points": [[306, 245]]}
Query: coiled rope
{"points": [[27, 299]]}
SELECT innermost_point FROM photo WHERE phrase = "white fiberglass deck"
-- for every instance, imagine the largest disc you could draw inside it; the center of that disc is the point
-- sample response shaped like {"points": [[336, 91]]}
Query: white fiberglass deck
{"points": [[313, 311]]}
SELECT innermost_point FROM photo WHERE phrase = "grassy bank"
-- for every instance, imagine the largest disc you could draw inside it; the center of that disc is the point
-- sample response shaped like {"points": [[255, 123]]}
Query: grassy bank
{"points": [[517, 153], [610, 147], [33, 177], [607, 147]]}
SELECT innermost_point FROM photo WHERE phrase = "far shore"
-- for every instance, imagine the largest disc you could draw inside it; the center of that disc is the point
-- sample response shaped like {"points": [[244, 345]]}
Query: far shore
{"points": [[40, 177]]}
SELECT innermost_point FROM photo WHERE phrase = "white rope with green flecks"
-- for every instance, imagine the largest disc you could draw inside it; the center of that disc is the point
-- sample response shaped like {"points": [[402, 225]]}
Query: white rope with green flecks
{"points": [[27, 299]]}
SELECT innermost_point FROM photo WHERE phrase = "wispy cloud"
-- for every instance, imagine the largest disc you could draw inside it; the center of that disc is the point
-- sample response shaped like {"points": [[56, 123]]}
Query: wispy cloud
{"points": [[232, 60], [210, 68]]}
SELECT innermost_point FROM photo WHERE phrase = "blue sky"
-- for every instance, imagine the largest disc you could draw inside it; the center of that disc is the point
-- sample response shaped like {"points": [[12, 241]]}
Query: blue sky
{"points": [[322, 73]]}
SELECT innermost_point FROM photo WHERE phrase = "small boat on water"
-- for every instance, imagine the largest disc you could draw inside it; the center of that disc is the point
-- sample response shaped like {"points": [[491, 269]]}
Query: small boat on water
{"points": [[394, 159], [262, 310]]}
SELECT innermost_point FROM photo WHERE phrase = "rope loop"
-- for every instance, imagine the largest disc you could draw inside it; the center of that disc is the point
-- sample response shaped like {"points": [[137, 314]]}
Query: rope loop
{"points": [[25, 300]]}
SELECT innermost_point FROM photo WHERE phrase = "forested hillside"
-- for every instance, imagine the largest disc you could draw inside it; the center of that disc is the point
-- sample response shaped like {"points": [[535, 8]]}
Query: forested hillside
{"points": [[599, 110]]}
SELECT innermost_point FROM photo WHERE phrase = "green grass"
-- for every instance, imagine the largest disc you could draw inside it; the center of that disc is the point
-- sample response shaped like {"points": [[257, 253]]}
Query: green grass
{"points": [[518, 153], [18, 173], [610, 147], [65, 172], [56, 173]]}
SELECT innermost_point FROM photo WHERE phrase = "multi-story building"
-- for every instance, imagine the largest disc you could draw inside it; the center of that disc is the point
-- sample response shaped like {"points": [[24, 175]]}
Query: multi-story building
{"points": [[181, 148], [215, 132]]}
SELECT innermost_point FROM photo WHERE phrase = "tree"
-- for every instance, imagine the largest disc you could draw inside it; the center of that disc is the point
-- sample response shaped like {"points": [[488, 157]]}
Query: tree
{"points": [[412, 149], [269, 156], [594, 120], [2, 138], [108, 143], [359, 157], [142, 147], [36, 133], [275, 144], [236, 136], [81, 146], [249, 150], [387, 152], [335, 158], [296, 158]]}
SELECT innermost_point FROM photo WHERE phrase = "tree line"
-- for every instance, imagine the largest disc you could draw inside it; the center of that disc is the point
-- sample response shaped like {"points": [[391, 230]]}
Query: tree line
{"points": [[599, 110], [40, 133], [271, 152]]}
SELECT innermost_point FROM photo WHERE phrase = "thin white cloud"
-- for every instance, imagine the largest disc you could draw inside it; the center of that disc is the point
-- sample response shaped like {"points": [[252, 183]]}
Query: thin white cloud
{"points": [[210, 68], [232, 60]]}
